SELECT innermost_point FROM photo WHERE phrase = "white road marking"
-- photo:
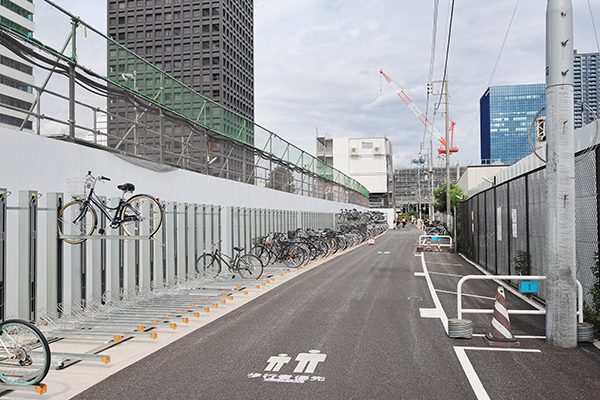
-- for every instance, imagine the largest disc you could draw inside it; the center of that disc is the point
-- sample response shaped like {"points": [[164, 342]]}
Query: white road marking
{"points": [[434, 296], [467, 295], [429, 313], [441, 273], [470, 371]]}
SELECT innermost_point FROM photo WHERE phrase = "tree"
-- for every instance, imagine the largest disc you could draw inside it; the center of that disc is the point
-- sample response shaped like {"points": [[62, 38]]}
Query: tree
{"points": [[456, 195], [282, 179]]}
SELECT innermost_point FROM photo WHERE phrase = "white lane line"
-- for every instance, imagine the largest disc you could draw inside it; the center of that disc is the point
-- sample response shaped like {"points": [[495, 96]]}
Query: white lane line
{"points": [[466, 295], [470, 371], [441, 273], [450, 265], [434, 296]]}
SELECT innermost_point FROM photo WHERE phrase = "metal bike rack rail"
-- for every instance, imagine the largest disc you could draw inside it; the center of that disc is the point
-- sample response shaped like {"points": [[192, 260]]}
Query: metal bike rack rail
{"points": [[461, 311]]}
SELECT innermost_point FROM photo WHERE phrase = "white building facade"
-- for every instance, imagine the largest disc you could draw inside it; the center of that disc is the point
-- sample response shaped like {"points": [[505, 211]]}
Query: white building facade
{"points": [[16, 74], [368, 160]]}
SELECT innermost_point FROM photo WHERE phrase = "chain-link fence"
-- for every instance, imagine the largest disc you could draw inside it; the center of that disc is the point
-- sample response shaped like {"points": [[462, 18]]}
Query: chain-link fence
{"points": [[505, 225]]}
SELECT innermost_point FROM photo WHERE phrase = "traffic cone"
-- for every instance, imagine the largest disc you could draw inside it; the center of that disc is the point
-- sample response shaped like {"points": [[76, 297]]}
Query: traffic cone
{"points": [[371, 241], [500, 334]]}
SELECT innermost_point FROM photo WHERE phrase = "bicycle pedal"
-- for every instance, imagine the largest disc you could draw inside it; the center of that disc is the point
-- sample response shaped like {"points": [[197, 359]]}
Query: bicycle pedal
{"points": [[101, 231], [233, 277]]}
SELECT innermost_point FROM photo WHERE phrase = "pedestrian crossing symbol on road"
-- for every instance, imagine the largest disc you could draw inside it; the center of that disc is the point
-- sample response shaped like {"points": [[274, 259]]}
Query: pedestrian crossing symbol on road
{"points": [[306, 363]]}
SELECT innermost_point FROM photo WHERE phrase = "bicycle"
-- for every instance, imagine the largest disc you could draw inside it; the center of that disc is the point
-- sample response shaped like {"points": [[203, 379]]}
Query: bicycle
{"points": [[24, 353], [140, 215], [247, 266]]}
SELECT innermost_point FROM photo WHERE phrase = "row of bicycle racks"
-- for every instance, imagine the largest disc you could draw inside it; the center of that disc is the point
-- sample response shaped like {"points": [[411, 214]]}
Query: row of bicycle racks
{"points": [[138, 313]]}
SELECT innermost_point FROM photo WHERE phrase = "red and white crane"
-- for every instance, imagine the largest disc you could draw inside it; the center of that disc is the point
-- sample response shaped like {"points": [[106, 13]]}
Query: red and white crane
{"points": [[423, 118]]}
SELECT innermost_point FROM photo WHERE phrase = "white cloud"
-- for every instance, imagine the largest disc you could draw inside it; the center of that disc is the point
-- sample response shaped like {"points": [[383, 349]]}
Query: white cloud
{"points": [[317, 63]]}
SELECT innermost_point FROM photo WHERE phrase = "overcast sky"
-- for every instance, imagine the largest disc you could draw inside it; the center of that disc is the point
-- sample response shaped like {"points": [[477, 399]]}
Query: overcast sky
{"points": [[317, 63]]}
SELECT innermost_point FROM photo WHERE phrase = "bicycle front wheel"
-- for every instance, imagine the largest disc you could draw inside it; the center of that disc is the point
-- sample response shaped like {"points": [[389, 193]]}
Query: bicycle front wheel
{"points": [[208, 265], [24, 352], [141, 216], [76, 219], [249, 267]]}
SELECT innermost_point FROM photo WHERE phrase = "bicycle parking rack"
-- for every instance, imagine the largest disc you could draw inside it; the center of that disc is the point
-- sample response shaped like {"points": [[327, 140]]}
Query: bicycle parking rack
{"points": [[436, 243], [40, 388]]}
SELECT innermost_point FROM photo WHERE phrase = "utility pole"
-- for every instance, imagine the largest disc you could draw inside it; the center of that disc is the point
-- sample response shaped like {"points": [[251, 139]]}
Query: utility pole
{"points": [[561, 290], [447, 154]]}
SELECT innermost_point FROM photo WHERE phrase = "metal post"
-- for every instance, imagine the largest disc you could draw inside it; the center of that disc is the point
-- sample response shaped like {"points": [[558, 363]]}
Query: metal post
{"points": [[54, 250], [448, 201], [28, 208], [561, 323], [3, 195], [72, 63]]}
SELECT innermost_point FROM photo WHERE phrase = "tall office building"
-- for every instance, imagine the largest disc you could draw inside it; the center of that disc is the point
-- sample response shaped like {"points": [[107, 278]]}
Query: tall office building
{"points": [[16, 74], [585, 86], [506, 115], [208, 47]]}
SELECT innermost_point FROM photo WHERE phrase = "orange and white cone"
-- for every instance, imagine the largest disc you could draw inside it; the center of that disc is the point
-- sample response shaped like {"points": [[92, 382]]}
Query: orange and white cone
{"points": [[501, 334], [371, 241]]}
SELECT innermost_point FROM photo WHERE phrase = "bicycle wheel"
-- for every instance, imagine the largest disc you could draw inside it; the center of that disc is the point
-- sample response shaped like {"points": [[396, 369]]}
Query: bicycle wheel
{"points": [[208, 265], [24, 352], [249, 267], [141, 216], [76, 219], [262, 252], [294, 256], [339, 218]]}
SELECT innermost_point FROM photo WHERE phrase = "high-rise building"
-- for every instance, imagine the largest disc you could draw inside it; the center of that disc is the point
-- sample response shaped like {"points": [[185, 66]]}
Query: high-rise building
{"points": [[206, 46], [506, 117], [585, 86], [16, 73]]}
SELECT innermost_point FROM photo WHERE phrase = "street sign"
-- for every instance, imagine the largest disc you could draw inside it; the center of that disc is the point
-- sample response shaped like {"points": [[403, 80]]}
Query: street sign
{"points": [[529, 286]]}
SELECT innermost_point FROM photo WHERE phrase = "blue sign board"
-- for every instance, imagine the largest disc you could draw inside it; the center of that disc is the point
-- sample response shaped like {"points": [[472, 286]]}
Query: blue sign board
{"points": [[529, 286]]}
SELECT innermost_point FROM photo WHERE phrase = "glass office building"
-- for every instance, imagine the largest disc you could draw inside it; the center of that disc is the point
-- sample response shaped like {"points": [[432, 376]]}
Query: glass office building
{"points": [[506, 115], [585, 87]]}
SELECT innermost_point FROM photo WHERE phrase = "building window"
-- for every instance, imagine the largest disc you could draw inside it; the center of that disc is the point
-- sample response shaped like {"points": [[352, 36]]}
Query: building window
{"points": [[367, 145]]}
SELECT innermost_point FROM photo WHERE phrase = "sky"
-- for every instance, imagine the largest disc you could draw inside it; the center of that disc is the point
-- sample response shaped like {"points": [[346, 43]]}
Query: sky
{"points": [[317, 63]]}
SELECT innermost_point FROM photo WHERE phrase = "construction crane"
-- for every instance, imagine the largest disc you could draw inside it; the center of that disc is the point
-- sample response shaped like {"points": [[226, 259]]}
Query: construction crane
{"points": [[423, 118]]}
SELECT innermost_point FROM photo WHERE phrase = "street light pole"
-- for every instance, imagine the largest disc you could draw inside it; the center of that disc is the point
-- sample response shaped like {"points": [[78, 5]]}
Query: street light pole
{"points": [[561, 322]]}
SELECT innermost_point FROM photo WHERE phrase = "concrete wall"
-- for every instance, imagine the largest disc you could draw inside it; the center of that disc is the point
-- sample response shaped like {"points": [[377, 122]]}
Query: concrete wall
{"points": [[34, 163]]}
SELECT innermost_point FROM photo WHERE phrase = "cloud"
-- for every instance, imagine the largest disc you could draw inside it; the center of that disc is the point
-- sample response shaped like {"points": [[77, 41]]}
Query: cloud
{"points": [[317, 64]]}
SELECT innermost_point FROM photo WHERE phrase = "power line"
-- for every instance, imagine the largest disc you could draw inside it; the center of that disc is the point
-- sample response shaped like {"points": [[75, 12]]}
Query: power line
{"points": [[494, 69]]}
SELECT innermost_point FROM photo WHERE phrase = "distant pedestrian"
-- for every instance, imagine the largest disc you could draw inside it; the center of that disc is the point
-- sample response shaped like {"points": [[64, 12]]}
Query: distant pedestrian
{"points": [[403, 223]]}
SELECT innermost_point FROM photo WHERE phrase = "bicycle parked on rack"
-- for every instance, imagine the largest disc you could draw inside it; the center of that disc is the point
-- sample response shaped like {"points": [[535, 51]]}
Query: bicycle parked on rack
{"points": [[140, 215], [24, 353], [247, 266]]}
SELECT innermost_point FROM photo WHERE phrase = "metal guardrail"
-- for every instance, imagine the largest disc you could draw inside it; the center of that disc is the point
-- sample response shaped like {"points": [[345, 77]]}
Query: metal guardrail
{"points": [[461, 311], [429, 242]]}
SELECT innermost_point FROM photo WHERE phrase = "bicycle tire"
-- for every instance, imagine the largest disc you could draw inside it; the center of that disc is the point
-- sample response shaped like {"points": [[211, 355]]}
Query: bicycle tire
{"points": [[141, 216], [76, 219], [208, 265], [262, 252], [339, 218], [294, 256], [25, 353], [249, 266]]}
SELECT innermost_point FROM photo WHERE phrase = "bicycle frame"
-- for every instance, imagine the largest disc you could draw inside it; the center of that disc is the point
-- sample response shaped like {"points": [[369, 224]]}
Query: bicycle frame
{"points": [[93, 198]]}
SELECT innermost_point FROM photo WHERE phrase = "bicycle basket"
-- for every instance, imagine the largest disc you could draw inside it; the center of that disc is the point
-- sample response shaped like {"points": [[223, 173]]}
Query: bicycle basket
{"points": [[78, 187]]}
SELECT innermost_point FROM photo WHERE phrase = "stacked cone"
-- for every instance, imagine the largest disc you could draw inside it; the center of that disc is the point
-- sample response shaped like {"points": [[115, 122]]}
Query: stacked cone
{"points": [[501, 334], [371, 241]]}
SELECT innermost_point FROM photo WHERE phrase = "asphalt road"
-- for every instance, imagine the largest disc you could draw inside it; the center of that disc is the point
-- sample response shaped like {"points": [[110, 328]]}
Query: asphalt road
{"points": [[360, 326]]}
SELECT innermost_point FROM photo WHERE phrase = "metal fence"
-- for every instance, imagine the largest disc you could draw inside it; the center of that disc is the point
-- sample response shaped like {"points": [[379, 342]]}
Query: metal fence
{"points": [[47, 272], [82, 95], [497, 225]]}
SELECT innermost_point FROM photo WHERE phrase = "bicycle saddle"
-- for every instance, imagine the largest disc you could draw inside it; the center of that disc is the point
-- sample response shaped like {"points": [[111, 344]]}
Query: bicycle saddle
{"points": [[238, 248], [126, 187]]}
